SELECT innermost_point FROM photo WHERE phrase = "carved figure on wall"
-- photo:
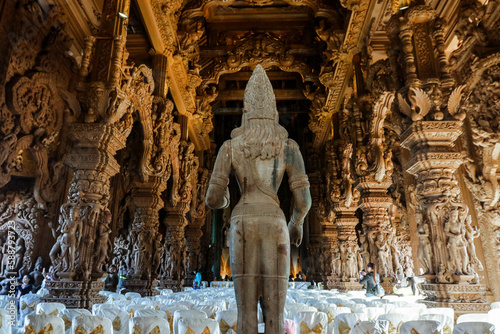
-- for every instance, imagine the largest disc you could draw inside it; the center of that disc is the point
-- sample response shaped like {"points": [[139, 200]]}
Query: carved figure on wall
{"points": [[424, 252], [62, 253], [18, 257], [383, 255], [157, 255], [103, 241], [471, 233], [363, 249], [260, 153], [454, 229]]}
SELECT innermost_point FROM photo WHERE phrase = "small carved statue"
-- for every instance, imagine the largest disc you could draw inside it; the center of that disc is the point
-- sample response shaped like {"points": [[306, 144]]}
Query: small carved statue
{"points": [[157, 255], [260, 153], [454, 229], [424, 252]]}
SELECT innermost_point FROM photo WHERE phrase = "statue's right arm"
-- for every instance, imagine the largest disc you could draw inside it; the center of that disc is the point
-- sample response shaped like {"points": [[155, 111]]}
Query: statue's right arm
{"points": [[218, 193]]}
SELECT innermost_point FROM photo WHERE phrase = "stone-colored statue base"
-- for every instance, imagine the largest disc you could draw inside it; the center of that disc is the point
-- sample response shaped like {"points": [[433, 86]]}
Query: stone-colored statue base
{"points": [[172, 284], [145, 287], [74, 294]]}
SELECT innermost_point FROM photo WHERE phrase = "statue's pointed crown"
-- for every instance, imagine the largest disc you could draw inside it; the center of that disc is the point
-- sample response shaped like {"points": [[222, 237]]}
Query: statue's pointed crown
{"points": [[259, 101]]}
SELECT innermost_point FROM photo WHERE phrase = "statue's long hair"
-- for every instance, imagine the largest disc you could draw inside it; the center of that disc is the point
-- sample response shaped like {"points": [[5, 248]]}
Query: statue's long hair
{"points": [[260, 137]]}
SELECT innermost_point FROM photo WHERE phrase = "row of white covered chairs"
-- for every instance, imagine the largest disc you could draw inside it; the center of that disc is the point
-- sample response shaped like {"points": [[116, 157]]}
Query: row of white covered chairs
{"points": [[42, 323]]}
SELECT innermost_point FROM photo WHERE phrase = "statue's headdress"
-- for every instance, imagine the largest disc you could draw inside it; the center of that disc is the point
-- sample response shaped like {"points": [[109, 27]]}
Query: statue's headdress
{"points": [[259, 101]]}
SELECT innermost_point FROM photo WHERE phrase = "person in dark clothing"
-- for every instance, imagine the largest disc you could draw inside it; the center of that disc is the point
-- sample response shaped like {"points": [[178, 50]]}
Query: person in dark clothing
{"points": [[25, 288], [370, 280], [111, 281]]}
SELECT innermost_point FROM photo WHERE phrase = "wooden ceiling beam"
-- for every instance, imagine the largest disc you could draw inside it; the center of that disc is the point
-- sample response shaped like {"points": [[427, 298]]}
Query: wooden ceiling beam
{"points": [[281, 94]]}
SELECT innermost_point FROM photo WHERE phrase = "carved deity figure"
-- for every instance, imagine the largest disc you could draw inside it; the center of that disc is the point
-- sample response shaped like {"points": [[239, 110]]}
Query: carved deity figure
{"points": [[63, 252], [454, 229], [103, 242], [260, 153], [383, 255], [157, 255], [424, 252]]}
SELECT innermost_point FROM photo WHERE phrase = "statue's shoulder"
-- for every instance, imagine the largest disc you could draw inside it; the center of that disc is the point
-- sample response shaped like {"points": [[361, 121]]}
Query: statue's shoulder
{"points": [[226, 146], [292, 146]]}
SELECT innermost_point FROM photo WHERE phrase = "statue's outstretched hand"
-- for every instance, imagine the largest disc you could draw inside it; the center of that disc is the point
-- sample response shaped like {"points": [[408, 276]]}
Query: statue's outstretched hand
{"points": [[295, 234]]}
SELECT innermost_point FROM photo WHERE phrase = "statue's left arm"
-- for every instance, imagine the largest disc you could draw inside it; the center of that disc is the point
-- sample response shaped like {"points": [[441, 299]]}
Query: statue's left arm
{"points": [[299, 185], [218, 193]]}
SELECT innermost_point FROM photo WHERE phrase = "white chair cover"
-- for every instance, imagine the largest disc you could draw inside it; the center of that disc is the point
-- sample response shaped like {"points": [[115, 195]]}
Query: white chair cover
{"points": [[198, 326], [115, 296], [331, 312], [210, 310], [339, 302], [473, 317], [42, 292], [495, 305], [131, 309], [344, 322], [27, 305], [299, 308], [86, 324], [50, 308], [373, 312], [151, 313], [96, 307], [421, 327], [119, 319], [494, 317], [181, 314], [409, 315], [371, 327], [227, 321], [68, 314], [448, 311], [132, 295], [187, 303], [41, 323], [5, 324], [148, 325], [357, 308], [310, 321], [169, 311], [445, 320], [474, 328], [395, 321]]}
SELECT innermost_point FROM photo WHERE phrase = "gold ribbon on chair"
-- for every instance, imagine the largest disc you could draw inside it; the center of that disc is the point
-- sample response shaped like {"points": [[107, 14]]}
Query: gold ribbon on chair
{"points": [[414, 331], [330, 316], [55, 312], [190, 331], [304, 329], [67, 322], [170, 321], [98, 330], [117, 324], [344, 328], [224, 327], [46, 330], [131, 313], [392, 329], [30, 306], [137, 330], [447, 329]]}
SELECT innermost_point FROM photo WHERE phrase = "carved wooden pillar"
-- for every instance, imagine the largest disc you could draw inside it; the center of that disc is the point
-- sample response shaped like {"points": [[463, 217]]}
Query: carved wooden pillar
{"points": [[348, 261], [184, 186], [446, 235], [85, 218], [147, 246], [194, 229]]}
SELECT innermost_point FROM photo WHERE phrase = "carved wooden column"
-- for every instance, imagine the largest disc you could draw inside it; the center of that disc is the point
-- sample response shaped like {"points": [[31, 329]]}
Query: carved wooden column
{"points": [[194, 229], [85, 218], [174, 259], [345, 258], [147, 248], [446, 235]]}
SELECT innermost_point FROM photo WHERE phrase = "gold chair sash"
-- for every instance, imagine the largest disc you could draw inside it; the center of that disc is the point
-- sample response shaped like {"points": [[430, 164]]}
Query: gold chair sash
{"points": [[170, 321], [30, 306], [304, 329], [190, 331], [131, 313], [98, 330], [392, 329], [224, 327], [117, 324], [67, 322], [414, 331], [46, 330], [344, 328], [331, 317], [137, 330], [447, 329]]}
